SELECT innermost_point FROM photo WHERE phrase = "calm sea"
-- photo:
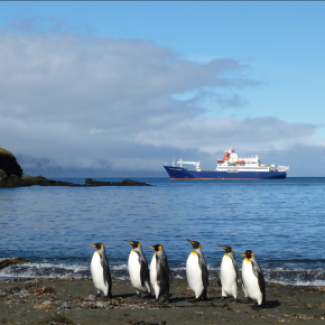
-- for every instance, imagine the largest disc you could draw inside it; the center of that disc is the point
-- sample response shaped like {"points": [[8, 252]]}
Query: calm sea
{"points": [[281, 221]]}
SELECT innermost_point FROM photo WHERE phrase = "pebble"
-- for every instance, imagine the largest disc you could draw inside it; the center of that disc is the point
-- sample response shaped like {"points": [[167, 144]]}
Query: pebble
{"points": [[46, 302], [65, 305]]}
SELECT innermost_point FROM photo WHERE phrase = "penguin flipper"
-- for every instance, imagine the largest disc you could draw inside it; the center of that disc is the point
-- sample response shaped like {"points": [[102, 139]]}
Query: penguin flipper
{"points": [[235, 267], [261, 284], [258, 273], [204, 269], [144, 272], [205, 278], [163, 274], [237, 272], [109, 283], [219, 280], [107, 275]]}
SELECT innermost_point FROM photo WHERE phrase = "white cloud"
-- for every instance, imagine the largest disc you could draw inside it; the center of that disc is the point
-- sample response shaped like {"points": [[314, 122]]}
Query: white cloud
{"points": [[73, 101]]}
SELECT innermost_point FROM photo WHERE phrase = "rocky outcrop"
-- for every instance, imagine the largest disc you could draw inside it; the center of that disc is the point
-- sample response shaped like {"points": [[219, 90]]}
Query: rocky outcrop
{"points": [[25, 181], [42, 181], [11, 175], [125, 182], [9, 164]]}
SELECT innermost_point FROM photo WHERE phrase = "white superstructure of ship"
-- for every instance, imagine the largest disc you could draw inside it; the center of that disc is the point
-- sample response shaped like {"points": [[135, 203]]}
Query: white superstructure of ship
{"points": [[231, 161]]}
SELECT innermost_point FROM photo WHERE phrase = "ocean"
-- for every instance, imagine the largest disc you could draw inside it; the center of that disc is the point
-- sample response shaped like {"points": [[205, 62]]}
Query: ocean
{"points": [[281, 221]]}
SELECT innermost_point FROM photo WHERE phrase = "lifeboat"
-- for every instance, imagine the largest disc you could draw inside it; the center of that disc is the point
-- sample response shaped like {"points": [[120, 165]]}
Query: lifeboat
{"points": [[240, 162], [226, 156]]}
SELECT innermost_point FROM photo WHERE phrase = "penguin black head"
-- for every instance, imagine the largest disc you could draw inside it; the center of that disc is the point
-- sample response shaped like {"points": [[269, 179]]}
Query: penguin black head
{"points": [[98, 246], [196, 244], [228, 249], [135, 244], [248, 254], [157, 247]]}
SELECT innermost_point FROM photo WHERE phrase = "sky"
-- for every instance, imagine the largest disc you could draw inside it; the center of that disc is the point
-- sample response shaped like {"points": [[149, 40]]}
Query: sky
{"points": [[121, 88]]}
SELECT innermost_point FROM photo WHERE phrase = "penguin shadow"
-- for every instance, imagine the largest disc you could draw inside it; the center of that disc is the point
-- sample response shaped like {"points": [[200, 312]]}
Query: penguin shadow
{"points": [[176, 299], [127, 295], [196, 301], [227, 300], [272, 304], [268, 305]]}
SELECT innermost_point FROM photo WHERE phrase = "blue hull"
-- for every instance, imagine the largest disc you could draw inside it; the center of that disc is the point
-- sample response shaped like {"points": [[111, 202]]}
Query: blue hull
{"points": [[180, 173]]}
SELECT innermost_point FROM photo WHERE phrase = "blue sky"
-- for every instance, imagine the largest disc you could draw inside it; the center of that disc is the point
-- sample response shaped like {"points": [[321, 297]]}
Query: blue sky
{"points": [[268, 57]]}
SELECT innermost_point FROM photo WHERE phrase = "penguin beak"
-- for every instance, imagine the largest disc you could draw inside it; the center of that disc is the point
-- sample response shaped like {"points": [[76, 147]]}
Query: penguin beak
{"points": [[131, 242], [190, 241], [224, 247], [244, 255], [92, 245], [151, 247]]}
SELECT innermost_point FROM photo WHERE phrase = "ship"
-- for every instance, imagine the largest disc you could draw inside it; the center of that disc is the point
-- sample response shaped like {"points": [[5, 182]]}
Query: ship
{"points": [[230, 167]]}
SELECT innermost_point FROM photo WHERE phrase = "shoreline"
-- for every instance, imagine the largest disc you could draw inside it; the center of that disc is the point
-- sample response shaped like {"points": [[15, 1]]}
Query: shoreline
{"points": [[71, 301]]}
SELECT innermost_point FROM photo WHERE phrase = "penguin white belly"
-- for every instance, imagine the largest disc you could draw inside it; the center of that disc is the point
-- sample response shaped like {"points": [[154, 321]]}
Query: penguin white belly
{"points": [[250, 282], [153, 276], [194, 274], [134, 270], [228, 277], [98, 274]]}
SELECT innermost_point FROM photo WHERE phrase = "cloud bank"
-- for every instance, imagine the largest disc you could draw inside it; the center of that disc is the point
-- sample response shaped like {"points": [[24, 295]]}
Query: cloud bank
{"points": [[72, 101]]}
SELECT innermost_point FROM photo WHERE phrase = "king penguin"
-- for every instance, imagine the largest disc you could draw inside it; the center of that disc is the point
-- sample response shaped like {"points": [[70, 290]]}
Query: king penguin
{"points": [[229, 274], [100, 271], [253, 280], [138, 269], [159, 273], [197, 272]]}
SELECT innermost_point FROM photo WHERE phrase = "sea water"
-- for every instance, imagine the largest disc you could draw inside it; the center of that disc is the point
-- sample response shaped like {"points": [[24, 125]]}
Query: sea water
{"points": [[281, 221]]}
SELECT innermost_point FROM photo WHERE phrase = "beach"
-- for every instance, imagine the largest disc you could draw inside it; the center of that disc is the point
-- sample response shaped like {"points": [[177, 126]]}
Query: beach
{"points": [[72, 301]]}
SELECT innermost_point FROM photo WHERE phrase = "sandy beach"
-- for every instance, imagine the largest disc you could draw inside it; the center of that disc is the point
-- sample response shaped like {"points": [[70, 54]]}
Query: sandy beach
{"points": [[72, 301]]}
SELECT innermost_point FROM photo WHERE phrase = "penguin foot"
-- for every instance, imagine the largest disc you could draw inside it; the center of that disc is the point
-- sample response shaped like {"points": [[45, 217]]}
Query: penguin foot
{"points": [[234, 301], [193, 300], [222, 298], [98, 295]]}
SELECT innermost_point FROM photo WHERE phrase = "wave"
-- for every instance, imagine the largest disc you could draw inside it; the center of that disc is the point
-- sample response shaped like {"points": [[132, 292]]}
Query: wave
{"points": [[283, 275]]}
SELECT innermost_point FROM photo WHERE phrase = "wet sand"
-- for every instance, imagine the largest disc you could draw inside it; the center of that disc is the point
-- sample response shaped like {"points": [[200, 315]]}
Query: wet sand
{"points": [[71, 301]]}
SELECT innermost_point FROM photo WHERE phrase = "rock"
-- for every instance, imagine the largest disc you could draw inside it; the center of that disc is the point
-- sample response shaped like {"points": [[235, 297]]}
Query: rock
{"points": [[9, 163], [13, 260], [3, 175], [125, 182]]}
